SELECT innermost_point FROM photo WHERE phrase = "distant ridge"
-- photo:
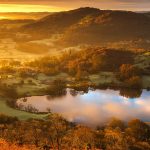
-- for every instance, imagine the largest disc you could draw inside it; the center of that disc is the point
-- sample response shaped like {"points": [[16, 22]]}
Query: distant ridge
{"points": [[59, 21], [91, 25]]}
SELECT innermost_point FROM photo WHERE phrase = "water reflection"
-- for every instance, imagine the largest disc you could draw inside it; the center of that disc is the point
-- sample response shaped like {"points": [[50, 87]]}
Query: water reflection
{"points": [[134, 93], [94, 107]]}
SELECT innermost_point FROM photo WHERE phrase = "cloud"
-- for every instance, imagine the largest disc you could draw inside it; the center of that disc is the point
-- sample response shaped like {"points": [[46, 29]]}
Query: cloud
{"points": [[29, 8], [96, 107], [69, 1], [102, 4]]}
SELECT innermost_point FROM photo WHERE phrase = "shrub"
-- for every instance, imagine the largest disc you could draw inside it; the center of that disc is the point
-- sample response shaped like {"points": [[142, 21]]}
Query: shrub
{"points": [[128, 70], [134, 82]]}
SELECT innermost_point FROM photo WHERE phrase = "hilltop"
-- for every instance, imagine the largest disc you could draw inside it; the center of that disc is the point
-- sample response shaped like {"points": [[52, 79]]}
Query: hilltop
{"points": [[92, 26]]}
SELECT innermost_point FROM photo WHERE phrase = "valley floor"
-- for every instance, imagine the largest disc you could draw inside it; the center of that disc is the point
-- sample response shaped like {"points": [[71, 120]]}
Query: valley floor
{"points": [[37, 86]]}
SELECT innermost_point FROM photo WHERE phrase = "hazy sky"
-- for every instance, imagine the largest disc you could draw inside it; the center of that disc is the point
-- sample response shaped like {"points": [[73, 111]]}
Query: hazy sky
{"points": [[59, 5]]}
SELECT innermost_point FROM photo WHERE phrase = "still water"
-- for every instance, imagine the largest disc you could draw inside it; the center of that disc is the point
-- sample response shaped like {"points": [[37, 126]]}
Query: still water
{"points": [[92, 108]]}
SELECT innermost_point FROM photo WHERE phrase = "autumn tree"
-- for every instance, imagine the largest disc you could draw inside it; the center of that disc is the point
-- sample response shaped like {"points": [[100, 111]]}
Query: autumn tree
{"points": [[127, 71], [116, 123], [81, 137], [138, 129], [115, 140]]}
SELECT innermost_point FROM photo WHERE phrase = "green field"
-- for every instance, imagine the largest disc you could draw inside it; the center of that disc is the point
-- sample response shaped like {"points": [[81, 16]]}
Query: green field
{"points": [[36, 86], [4, 109], [103, 78]]}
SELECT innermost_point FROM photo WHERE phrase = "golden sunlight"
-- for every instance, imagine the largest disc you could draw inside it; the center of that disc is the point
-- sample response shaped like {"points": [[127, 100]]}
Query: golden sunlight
{"points": [[29, 8], [3, 17]]}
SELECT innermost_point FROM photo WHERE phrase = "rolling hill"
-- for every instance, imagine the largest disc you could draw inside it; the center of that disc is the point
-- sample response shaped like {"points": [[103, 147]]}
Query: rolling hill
{"points": [[59, 22], [92, 26], [108, 26]]}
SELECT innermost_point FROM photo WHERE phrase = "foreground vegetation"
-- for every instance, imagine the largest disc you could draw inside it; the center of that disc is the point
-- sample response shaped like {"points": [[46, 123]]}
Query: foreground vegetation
{"points": [[56, 133]]}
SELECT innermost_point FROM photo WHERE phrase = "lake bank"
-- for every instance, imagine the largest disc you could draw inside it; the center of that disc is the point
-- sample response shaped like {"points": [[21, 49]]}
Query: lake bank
{"points": [[83, 107]]}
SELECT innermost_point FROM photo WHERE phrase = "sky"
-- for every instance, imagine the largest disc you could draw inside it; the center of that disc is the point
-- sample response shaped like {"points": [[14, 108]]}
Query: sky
{"points": [[61, 5]]}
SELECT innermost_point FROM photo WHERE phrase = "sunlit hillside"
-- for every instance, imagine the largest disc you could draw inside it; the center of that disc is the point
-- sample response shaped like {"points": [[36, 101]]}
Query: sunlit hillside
{"points": [[76, 28]]}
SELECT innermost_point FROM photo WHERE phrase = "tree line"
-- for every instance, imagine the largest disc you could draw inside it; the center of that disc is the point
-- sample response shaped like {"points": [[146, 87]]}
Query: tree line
{"points": [[54, 132]]}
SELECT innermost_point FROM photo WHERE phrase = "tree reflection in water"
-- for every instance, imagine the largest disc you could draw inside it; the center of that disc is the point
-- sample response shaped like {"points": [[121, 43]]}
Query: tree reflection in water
{"points": [[130, 93], [125, 92], [51, 97]]}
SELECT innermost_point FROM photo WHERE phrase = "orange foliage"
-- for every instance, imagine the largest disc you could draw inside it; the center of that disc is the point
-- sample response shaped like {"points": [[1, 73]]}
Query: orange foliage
{"points": [[11, 146]]}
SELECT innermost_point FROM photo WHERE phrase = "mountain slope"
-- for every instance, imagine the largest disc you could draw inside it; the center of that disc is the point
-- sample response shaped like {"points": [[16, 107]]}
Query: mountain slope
{"points": [[109, 26], [58, 22], [92, 26]]}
